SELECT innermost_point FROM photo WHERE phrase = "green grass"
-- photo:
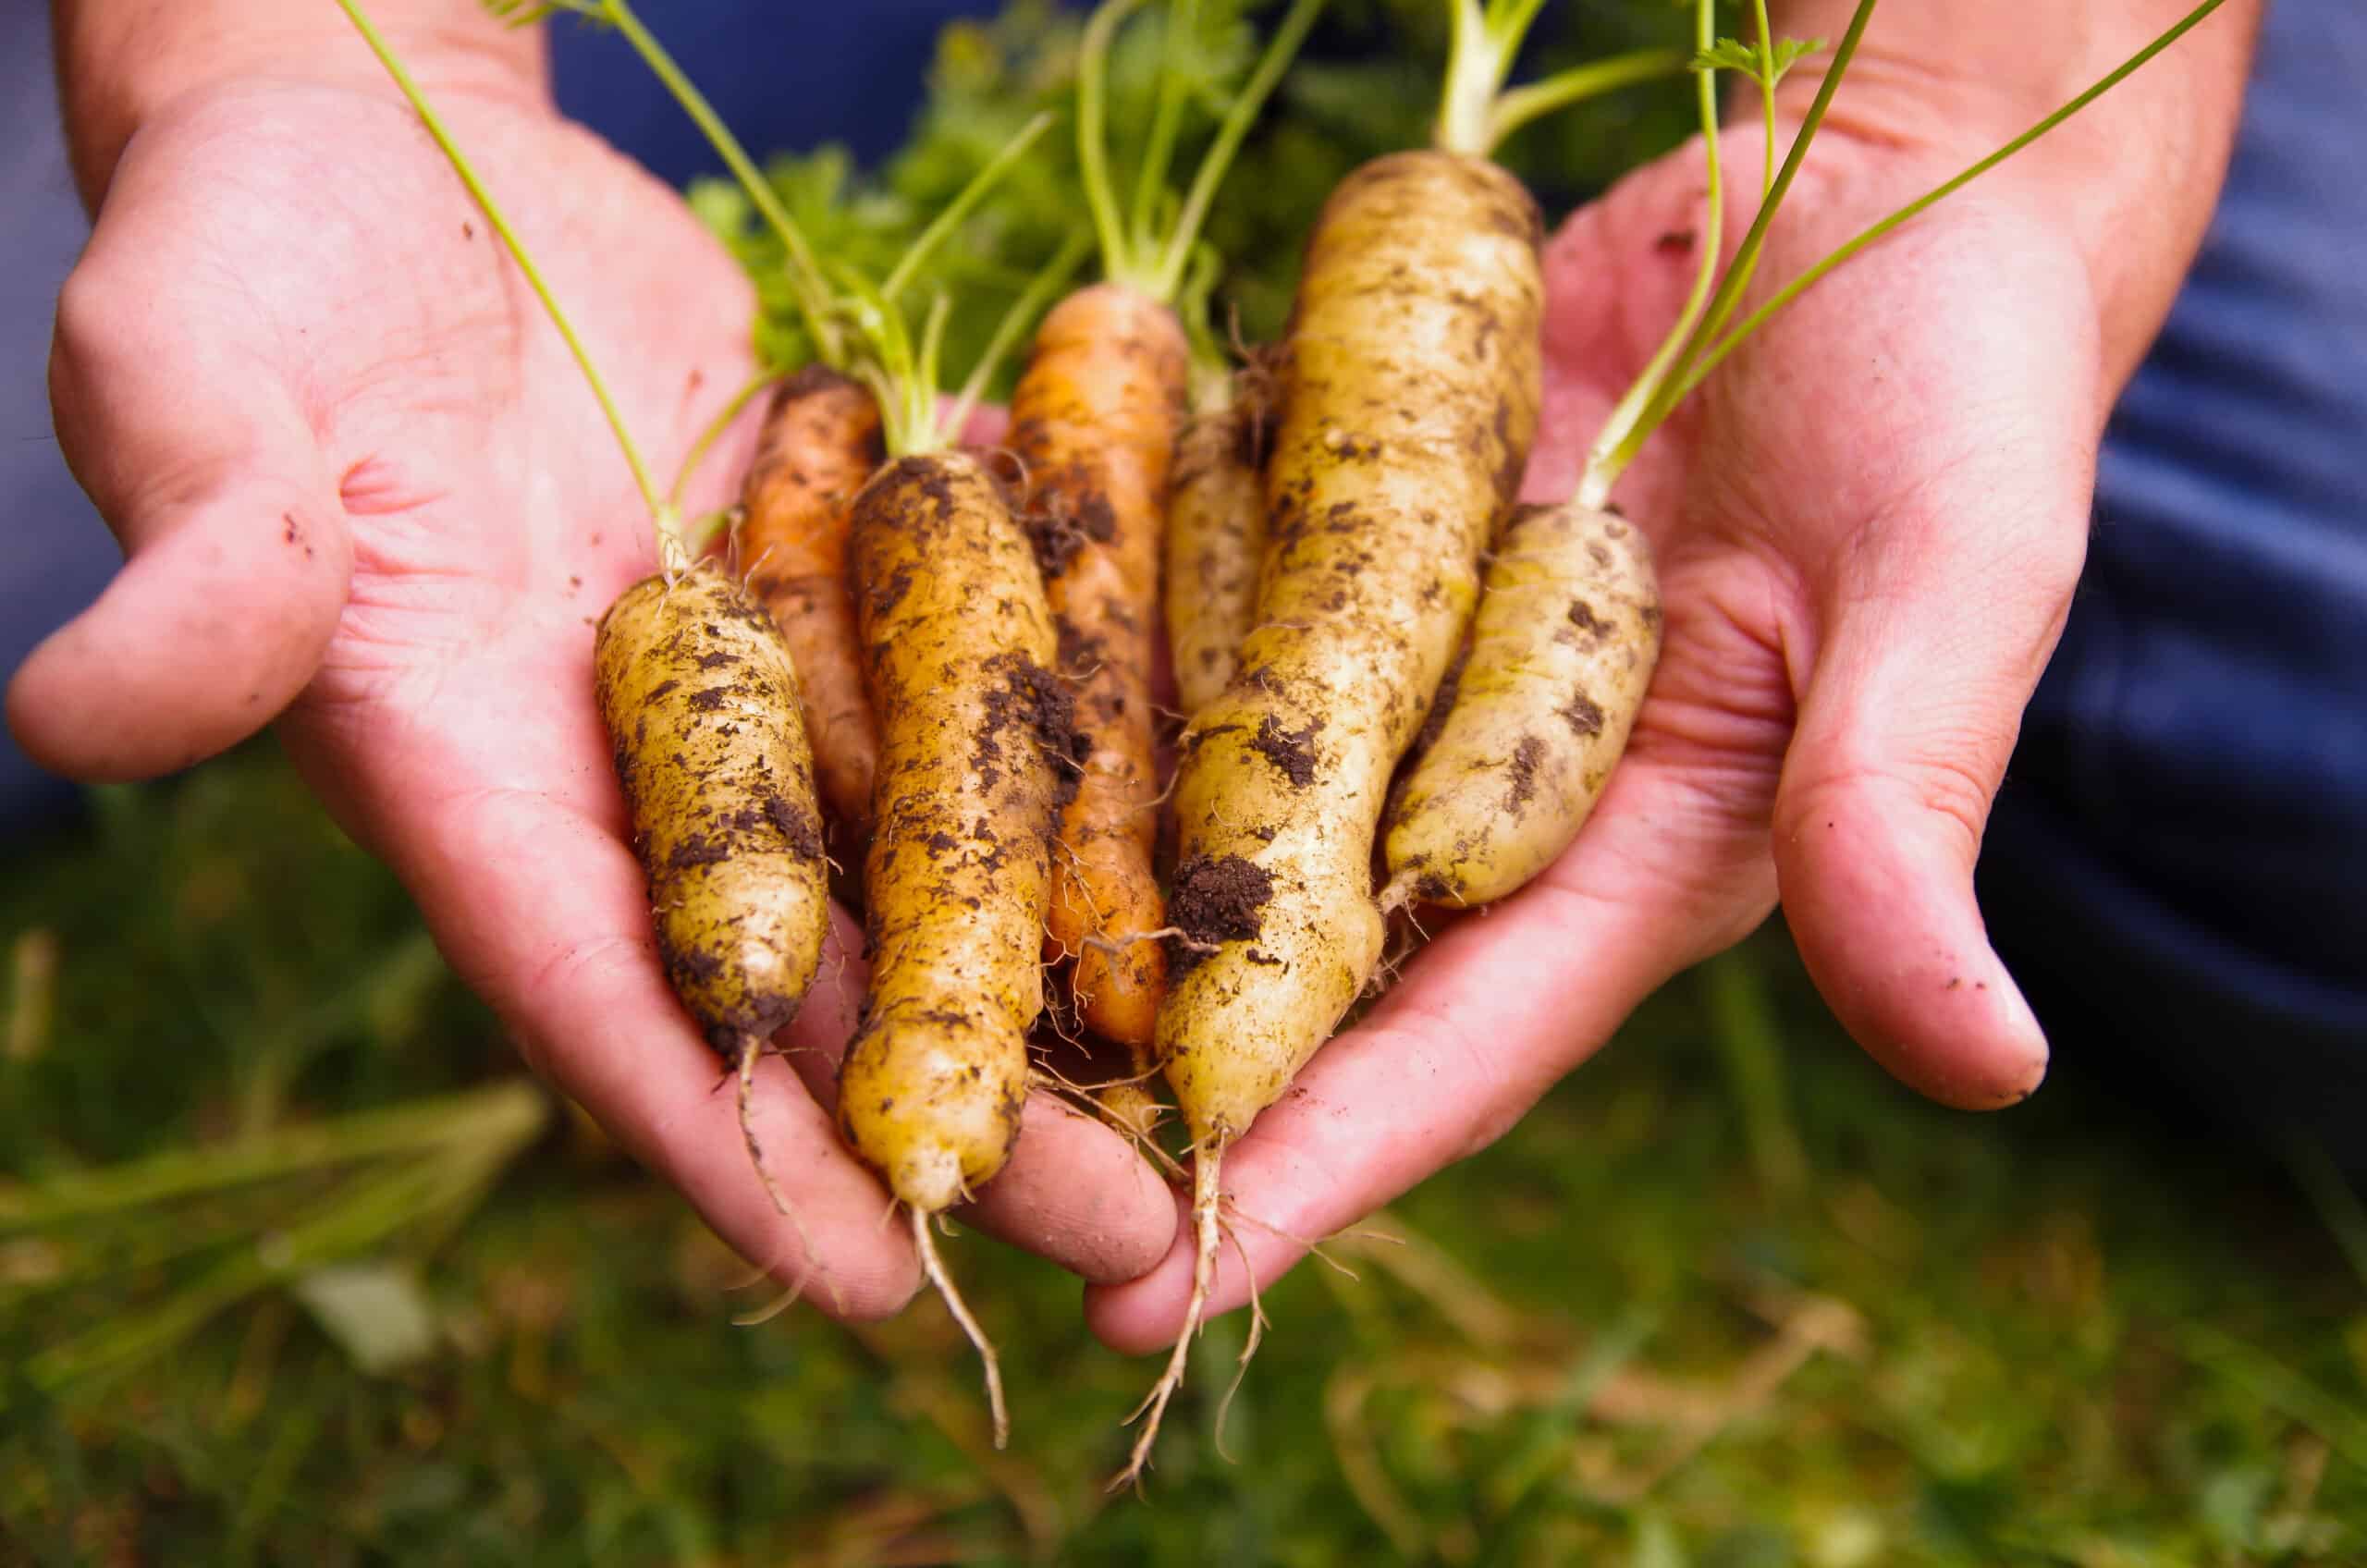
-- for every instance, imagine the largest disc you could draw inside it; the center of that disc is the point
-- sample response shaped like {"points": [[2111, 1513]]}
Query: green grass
{"points": [[1729, 1297], [296, 1268]]}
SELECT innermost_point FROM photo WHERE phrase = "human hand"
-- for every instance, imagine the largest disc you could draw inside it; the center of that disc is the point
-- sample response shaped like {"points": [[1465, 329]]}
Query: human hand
{"points": [[364, 488], [1868, 527]]}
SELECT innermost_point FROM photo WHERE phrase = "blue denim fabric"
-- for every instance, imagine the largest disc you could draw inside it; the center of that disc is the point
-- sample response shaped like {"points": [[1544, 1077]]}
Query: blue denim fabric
{"points": [[2178, 866], [801, 76]]}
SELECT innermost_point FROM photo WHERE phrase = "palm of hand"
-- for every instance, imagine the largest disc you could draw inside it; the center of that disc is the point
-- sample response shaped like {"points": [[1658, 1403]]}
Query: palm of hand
{"points": [[1867, 526]]}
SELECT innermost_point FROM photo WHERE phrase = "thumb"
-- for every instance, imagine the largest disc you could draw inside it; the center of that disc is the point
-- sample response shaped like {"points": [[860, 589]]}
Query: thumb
{"points": [[1931, 645], [195, 450]]}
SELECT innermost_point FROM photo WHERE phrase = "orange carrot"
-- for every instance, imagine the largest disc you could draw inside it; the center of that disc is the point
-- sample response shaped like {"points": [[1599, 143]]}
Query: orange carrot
{"points": [[820, 445], [1095, 419]]}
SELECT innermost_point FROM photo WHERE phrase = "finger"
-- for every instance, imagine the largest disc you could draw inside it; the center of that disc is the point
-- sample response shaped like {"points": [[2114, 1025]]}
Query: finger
{"points": [[536, 902], [1933, 635], [1074, 1192], [1488, 1017], [988, 425], [191, 440], [1909, 719]]}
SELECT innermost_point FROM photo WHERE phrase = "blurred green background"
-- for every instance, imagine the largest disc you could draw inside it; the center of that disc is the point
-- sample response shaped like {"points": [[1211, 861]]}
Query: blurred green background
{"points": [[296, 1267]]}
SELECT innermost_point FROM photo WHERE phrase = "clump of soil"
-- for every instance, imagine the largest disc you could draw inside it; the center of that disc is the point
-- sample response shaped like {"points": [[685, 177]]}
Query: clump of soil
{"points": [[1292, 752], [1215, 898]]}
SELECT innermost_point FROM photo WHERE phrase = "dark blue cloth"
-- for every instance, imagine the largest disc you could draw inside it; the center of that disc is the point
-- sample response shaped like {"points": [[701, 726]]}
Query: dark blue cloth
{"points": [[784, 76], [2183, 834]]}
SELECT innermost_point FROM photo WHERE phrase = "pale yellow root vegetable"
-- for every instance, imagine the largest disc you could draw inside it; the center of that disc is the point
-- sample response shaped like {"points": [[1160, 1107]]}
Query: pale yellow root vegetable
{"points": [[1216, 540], [977, 747], [696, 688], [1561, 651], [1408, 398]]}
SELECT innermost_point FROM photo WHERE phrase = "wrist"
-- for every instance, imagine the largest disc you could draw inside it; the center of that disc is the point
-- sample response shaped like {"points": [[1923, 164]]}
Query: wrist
{"points": [[121, 62], [2129, 183]]}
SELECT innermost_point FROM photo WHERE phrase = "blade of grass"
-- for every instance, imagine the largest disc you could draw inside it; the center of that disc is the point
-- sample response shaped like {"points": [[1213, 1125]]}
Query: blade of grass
{"points": [[513, 1110], [1743, 1026], [2277, 1386]]}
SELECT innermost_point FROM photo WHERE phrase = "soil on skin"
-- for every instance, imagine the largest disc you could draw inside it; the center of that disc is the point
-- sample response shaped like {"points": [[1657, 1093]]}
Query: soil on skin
{"points": [[1292, 752], [890, 594], [1215, 899], [1527, 755], [1583, 714], [1030, 696]]}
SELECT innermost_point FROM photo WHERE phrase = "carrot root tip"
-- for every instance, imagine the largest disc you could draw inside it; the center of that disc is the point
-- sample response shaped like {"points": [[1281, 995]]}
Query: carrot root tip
{"points": [[1206, 1199], [749, 1050], [925, 1242]]}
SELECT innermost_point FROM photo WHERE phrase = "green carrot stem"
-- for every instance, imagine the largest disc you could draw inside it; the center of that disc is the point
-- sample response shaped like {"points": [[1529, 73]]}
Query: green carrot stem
{"points": [[1209, 372], [670, 544], [1181, 32], [1747, 259], [1604, 471], [711, 433], [1766, 94], [1521, 105], [1480, 57], [926, 244], [1709, 358], [1746, 264], [940, 307], [805, 274], [1595, 487], [1175, 259], [1026, 308], [1093, 131]]}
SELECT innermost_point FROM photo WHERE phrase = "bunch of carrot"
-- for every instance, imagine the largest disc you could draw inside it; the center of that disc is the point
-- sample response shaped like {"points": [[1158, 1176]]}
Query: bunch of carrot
{"points": [[1398, 686]]}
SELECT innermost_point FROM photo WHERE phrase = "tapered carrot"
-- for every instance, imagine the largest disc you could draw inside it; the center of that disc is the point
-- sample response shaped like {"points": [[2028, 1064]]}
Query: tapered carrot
{"points": [[1216, 532], [1409, 388], [1095, 419], [820, 443]]}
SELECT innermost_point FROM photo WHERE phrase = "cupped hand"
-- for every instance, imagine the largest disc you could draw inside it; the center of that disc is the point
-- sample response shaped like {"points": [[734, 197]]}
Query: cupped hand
{"points": [[1867, 526], [363, 488]]}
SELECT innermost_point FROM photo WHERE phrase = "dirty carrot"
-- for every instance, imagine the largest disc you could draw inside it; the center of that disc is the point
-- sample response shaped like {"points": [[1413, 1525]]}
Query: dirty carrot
{"points": [[1216, 532], [699, 697], [1093, 423], [1549, 694], [1408, 390], [977, 754], [820, 444]]}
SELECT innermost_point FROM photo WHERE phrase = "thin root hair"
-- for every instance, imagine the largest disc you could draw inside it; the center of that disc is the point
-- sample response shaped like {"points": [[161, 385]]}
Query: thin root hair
{"points": [[934, 1267], [750, 1050]]}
